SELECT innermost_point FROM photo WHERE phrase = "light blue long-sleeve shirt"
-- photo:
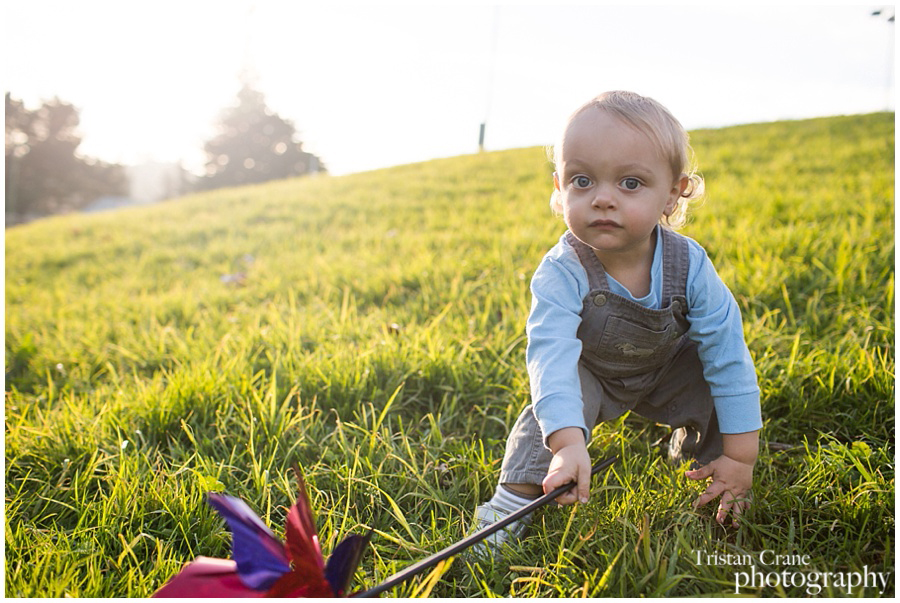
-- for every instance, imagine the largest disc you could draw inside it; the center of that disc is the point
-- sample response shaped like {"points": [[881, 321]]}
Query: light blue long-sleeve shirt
{"points": [[558, 288]]}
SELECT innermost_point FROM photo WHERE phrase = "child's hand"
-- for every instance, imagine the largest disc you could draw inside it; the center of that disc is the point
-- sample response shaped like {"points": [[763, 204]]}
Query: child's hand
{"points": [[732, 480], [571, 462]]}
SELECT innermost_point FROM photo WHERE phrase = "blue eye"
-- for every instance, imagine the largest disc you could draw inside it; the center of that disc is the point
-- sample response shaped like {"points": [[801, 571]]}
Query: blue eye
{"points": [[581, 181], [631, 184]]}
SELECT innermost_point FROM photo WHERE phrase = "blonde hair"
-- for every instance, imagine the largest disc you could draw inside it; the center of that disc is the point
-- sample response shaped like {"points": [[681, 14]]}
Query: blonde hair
{"points": [[666, 132]]}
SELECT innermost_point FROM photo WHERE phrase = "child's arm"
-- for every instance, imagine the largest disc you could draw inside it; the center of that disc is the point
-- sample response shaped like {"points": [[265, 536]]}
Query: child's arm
{"points": [[571, 462], [732, 475]]}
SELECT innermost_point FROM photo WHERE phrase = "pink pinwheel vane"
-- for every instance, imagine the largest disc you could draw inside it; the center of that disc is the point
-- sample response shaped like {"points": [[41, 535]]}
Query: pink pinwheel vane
{"points": [[262, 565]]}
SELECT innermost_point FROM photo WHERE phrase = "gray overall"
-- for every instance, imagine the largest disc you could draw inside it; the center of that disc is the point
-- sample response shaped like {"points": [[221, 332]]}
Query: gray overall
{"points": [[633, 358]]}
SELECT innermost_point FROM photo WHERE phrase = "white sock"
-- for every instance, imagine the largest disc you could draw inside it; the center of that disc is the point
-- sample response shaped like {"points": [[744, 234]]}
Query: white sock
{"points": [[509, 500]]}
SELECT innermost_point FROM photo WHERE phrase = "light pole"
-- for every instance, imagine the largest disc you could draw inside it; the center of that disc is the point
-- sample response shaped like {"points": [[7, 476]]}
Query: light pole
{"points": [[490, 78], [888, 15]]}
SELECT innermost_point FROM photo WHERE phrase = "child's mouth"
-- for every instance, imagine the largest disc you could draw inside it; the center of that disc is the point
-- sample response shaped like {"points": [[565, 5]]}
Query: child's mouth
{"points": [[604, 224]]}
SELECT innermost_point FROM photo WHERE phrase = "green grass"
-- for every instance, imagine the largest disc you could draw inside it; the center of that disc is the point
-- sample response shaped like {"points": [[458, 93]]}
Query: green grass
{"points": [[377, 339]]}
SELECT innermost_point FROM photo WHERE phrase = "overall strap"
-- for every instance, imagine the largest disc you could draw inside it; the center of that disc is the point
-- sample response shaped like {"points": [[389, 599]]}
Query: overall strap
{"points": [[595, 272], [676, 260]]}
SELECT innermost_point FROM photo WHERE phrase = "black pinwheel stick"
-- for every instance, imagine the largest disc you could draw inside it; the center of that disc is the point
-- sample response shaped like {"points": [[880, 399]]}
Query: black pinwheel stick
{"points": [[478, 536]]}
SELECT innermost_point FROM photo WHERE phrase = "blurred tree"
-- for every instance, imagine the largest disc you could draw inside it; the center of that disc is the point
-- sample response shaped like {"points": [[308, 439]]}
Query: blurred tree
{"points": [[254, 145], [44, 173]]}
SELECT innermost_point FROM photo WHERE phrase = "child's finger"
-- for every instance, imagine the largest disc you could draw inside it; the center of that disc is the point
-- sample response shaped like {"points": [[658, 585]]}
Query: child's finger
{"points": [[735, 505], [737, 510], [701, 473], [566, 499], [554, 481], [725, 506], [739, 505], [577, 494], [583, 489], [711, 493]]}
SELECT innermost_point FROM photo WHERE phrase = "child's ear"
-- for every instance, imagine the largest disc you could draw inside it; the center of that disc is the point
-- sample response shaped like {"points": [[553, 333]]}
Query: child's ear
{"points": [[681, 185], [555, 205]]}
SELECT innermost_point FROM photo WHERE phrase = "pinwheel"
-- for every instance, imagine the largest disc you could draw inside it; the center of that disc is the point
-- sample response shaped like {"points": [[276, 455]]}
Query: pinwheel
{"points": [[263, 566]]}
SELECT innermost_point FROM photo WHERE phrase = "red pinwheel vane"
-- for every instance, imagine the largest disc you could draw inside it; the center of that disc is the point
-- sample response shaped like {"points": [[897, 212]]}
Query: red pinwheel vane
{"points": [[262, 565]]}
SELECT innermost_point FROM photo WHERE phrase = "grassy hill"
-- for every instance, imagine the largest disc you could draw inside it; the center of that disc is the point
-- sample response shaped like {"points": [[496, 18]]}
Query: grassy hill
{"points": [[371, 328]]}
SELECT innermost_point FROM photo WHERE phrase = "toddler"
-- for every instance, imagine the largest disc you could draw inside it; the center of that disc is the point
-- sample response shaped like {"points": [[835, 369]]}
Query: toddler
{"points": [[628, 315]]}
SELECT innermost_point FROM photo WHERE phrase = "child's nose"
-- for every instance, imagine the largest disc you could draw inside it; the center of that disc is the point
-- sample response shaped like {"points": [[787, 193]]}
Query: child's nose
{"points": [[604, 196]]}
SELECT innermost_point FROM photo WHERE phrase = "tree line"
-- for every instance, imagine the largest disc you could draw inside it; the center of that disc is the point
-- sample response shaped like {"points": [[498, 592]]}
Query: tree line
{"points": [[45, 173]]}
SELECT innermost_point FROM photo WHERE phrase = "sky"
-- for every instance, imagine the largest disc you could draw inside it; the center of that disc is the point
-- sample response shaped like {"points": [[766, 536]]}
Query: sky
{"points": [[375, 85]]}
